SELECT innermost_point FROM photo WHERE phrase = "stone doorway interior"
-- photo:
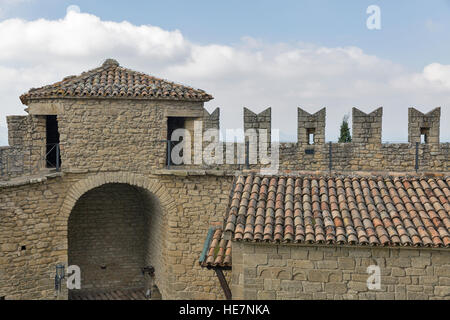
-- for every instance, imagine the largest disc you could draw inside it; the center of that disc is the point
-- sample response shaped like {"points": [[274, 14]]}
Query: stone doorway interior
{"points": [[112, 236]]}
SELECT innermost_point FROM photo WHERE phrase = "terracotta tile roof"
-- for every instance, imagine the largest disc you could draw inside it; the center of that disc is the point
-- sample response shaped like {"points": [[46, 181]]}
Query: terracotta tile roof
{"points": [[110, 80], [378, 211], [218, 251]]}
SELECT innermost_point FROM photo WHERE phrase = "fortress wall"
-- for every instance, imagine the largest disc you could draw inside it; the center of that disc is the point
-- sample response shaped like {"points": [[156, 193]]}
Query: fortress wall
{"points": [[97, 135], [30, 216], [268, 271], [201, 202], [31, 239], [25, 154]]}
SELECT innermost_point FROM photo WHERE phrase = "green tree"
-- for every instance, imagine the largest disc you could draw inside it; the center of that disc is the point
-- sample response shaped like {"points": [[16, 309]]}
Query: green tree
{"points": [[345, 131]]}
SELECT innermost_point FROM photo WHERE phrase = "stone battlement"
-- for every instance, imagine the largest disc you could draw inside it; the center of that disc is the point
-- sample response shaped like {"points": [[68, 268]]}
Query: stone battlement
{"points": [[133, 135]]}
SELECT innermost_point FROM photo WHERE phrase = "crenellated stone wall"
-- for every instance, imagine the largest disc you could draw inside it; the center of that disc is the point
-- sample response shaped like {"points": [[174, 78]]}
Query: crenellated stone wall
{"points": [[100, 136]]}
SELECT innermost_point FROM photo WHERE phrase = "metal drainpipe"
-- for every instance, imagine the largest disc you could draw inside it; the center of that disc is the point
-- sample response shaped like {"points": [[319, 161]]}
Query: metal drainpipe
{"points": [[223, 283], [330, 163], [168, 154], [416, 166]]}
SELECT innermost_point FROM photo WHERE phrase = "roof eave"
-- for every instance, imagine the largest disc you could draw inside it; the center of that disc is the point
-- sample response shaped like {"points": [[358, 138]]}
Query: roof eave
{"points": [[25, 99]]}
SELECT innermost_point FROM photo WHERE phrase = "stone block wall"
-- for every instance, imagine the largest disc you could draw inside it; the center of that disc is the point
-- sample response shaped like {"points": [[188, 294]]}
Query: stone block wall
{"points": [[364, 153], [25, 154], [366, 128], [266, 271], [17, 129], [201, 203], [117, 135], [31, 238], [211, 120], [310, 123], [33, 215], [107, 234], [260, 121], [155, 238], [348, 157], [12, 162], [424, 123]]}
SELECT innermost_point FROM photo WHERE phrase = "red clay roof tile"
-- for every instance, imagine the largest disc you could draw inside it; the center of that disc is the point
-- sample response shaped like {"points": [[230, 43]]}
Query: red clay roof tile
{"points": [[110, 80], [336, 211]]}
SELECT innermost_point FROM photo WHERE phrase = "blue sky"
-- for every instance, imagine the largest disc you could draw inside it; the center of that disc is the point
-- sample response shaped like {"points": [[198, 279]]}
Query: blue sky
{"points": [[414, 32], [283, 54]]}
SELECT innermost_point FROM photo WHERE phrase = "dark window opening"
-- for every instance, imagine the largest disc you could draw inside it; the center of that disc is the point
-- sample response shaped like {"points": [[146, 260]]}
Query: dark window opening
{"points": [[424, 132], [23, 248], [173, 123], [53, 157], [310, 135]]}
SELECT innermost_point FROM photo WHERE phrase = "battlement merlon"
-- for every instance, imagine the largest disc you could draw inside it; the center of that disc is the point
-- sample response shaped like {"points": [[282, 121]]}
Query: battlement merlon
{"points": [[367, 127], [262, 120], [311, 124], [17, 129], [211, 120], [424, 126]]}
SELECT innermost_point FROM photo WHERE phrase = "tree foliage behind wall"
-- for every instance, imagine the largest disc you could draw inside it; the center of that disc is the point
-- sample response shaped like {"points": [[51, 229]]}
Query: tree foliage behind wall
{"points": [[345, 135]]}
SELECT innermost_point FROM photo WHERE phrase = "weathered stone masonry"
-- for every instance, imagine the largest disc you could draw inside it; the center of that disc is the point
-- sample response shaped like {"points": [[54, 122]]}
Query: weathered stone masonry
{"points": [[107, 236], [262, 271], [36, 216], [113, 176]]}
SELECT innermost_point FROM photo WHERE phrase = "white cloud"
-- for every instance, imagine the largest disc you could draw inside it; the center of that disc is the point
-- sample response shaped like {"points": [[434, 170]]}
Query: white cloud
{"points": [[439, 73], [252, 73]]}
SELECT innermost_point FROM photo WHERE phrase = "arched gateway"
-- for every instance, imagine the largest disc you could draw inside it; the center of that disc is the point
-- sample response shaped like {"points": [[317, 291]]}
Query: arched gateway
{"points": [[116, 228]]}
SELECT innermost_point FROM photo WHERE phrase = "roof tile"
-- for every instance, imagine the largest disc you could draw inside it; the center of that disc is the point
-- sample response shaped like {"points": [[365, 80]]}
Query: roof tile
{"points": [[336, 211], [110, 80]]}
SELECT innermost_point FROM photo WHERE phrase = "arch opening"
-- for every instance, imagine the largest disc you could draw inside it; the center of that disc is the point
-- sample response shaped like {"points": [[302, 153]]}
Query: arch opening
{"points": [[114, 233]]}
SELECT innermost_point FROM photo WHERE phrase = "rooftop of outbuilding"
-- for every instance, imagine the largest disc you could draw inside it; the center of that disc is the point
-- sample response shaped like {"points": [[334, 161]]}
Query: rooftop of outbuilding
{"points": [[338, 211], [111, 80]]}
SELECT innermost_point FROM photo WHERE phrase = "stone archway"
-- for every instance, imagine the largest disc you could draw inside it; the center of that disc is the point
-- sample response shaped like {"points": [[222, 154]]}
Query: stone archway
{"points": [[116, 225]]}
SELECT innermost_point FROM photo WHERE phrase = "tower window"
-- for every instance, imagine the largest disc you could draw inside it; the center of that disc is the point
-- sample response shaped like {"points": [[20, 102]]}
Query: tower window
{"points": [[52, 142], [424, 133], [173, 123], [311, 133]]}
